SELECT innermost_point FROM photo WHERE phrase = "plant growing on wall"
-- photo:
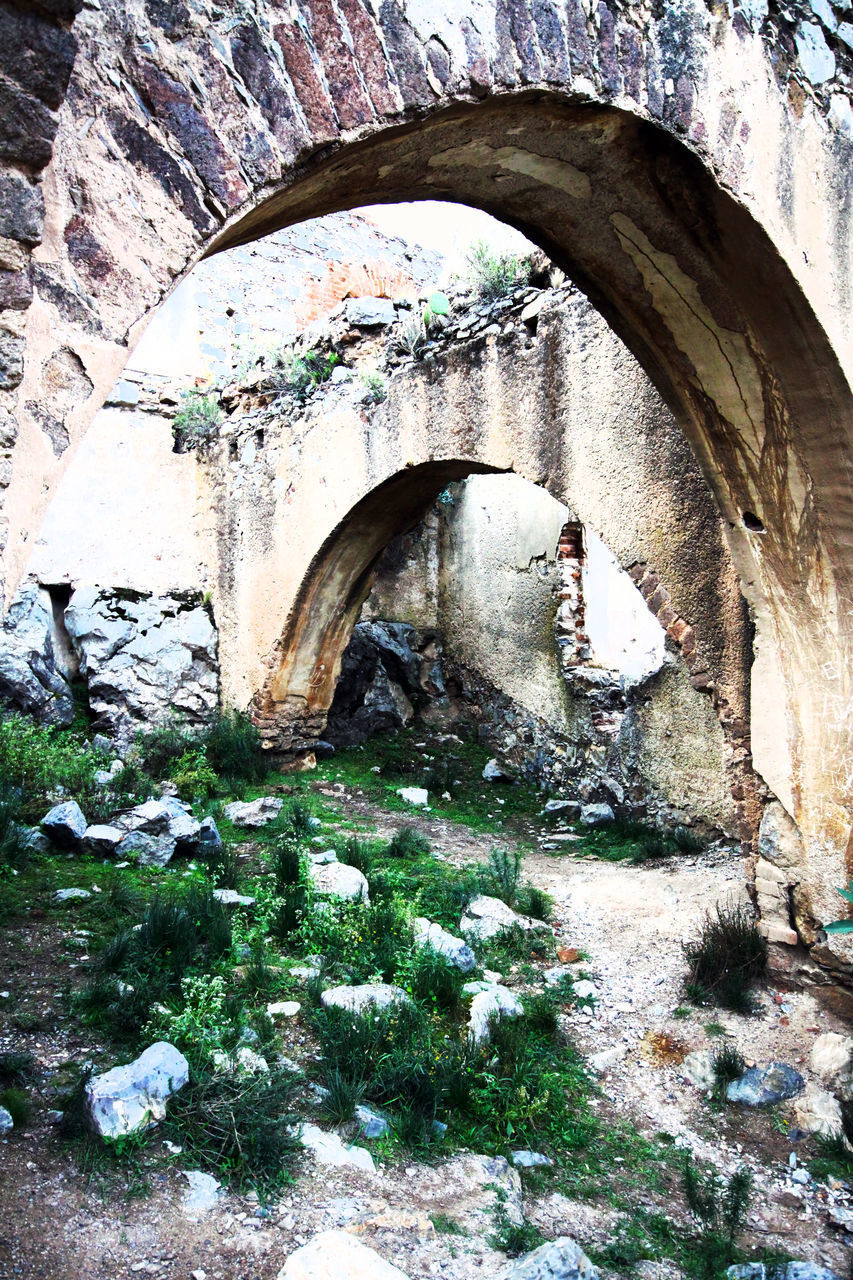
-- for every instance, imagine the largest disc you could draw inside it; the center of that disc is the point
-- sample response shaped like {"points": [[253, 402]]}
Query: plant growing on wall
{"points": [[298, 374], [492, 275], [197, 420]]}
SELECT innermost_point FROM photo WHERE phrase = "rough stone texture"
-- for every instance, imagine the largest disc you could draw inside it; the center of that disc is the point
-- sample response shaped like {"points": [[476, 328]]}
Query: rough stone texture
{"points": [[65, 823], [30, 679], [371, 995], [832, 1061], [146, 659], [334, 1254], [817, 1111], [762, 1086], [337, 880], [454, 950], [487, 918], [133, 1097], [561, 1259], [254, 813]]}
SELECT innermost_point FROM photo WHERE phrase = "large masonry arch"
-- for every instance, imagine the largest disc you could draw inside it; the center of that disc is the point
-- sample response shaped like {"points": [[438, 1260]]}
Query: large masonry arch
{"points": [[625, 147]]}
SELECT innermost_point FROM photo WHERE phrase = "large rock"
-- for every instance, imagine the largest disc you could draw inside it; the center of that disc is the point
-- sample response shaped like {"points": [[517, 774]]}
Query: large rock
{"points": [[338, 880], [762, 1086], [65, 824], [371, 995], [146, 850], [370, 313], [832, 1061], [487, 918], [254, 813], [817, 1111], [130, 1098], [454, 950], [32, 668], [336, 1255], [101, 839], [561, 1259], [597, 815], [145, 658], [780, 1271]]}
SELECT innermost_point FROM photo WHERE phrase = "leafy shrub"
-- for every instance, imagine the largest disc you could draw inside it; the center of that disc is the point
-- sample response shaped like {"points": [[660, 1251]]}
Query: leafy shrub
{"points": [[197, 420], [193, 776], [409, 843], [513, 1239], [200, 1027], [222, 865], [286, 863], [298, 374], [296, 819], [534, 902], [12, 849], [239, 1126], [36, 760], [160, 748], [493, 275], [728, 958], [17, 1067]]}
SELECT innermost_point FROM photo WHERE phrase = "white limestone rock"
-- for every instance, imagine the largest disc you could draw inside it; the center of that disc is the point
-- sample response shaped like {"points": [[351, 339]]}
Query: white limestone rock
{"points": [[370, 313], [698, 1068], [71, 895], [597, 815], [65, 824], [494, 1001], [455, 950], [32, 679], [254, 813], [817, 1111], [202, 1195], [329, 1148], [133, 1097], [418, 796], [283, 1009], [370, 995], [338, 880], [7, 1124], [336, 1255], [832, 1062], [816, 58], [231, 898], [561, 1259], [146, 850], [487, 918], [102, 839]]}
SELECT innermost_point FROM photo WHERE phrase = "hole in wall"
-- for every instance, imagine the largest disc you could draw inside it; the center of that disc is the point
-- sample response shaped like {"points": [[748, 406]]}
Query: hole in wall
{"points": [[752, 522]]}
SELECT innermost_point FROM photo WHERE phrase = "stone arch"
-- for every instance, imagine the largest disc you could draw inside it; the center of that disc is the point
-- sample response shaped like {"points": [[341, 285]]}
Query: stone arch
{"points": [[623, 148]]}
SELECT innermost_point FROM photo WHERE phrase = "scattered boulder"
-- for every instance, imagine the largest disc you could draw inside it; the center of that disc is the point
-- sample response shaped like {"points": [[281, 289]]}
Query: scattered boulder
{"points": [[493, 1002], [102, 839], [762, 1086], [561, 808], [7, 1124], [33, 839], [597, 815], [454, 950], [487, 918], [780, 1271], [832, 1061], [133, 1097], [372, 1123], [283, 1009], [817, 1111], [328, 1148], [495, 772], [322, 857], [312, 968], [253, 813], [333, 1255], [231, 898], [530, 1160], [698, 1068], [71, 895], [208, 835], [388, 670], [418, 796], [202, 1194], [338, 880], [146, 850], [371, 995], [561, 1259], [65, 824]]}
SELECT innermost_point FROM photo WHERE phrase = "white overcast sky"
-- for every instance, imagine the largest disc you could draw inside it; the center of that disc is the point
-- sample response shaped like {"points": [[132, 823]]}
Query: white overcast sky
{"points": [[450, 229]]}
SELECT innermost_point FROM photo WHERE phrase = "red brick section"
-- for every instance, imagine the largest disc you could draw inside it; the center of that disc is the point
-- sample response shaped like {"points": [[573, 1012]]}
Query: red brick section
{"points": [[735, 728], [571, 615], [373, 279]]}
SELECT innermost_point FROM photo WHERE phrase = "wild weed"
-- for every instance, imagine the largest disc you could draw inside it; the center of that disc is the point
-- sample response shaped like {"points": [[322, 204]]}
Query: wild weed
{"points": [[408, 843], [504, 874], [719, 1209], [728, 1064], [343, 1094], [728, 958]]}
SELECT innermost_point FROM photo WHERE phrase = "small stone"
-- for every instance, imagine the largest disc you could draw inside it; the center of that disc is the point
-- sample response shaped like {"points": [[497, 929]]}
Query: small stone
{"points": [[203, 1194], [370, 995], [817, 1111], [495, 772], [370, 313], [102, 839], [283, 1009], [495, 1002], [71, 895], [328, 1148], [530, 1159], [338, 880], [254, 813], [816, 58], [418, 796], [454, 950], [372, 1123], [487, 918], [698, 1068], [556, 974]]}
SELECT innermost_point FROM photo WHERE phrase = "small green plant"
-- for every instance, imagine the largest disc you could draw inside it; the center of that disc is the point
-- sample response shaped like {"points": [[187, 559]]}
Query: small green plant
{"points": [[682, 1013], [504, 874], [438, 304], [492, 275], [197, 420], [193, 776], [846, 925], [375, 386], [408, 843], [728, 958], [357, 853], [412, 337], [286, 863], [342, 1096], [297, 819], [299, 374], [513, 1238], [445, 1225], [719, 1209], [728, 1064], [201, 1026]]}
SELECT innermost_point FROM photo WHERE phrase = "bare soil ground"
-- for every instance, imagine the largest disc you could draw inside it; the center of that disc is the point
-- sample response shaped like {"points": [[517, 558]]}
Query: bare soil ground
{"points": [[61, 1222]]}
